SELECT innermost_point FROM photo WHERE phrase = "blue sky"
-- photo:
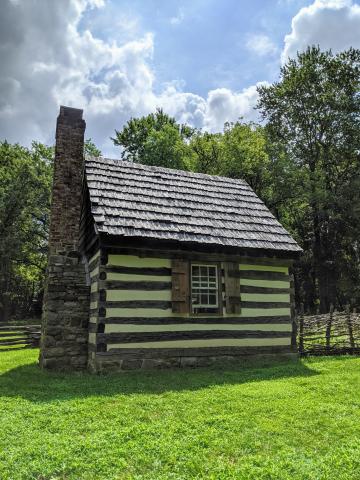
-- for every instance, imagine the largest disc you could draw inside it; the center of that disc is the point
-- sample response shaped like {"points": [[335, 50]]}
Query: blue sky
{"points": [[201, 44], [200, 60]]}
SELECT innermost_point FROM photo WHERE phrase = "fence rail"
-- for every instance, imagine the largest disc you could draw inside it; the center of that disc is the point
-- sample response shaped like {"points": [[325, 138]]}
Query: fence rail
{"points": [[333, 333], [16, 337]]}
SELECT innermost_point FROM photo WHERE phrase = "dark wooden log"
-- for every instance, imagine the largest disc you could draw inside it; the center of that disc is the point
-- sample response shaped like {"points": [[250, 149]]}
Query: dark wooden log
{"points": [[135, 337], [265, 304], [198, 319], [18, 341], [161, 305], [250, 289], [159, 271], [262, 275], [141, 285]]}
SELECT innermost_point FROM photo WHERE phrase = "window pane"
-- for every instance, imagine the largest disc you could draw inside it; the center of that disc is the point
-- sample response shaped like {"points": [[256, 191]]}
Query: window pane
{"points": [[212, 271], [203, 272], [195, 298], [204, 299], [212, 300], [195, 270]]}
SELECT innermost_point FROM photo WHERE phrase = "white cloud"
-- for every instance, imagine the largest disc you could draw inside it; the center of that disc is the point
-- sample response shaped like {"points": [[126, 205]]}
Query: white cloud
{"points": [[49, 57], [331, 24], [261, 45], [48, 63], [178, 18], [223, 105]]}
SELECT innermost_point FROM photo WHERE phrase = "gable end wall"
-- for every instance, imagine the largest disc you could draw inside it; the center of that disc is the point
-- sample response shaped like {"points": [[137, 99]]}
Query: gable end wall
{"points": [[136, 327]]}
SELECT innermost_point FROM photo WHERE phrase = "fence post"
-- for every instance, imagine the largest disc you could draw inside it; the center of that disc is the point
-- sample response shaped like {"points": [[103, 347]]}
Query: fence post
{"points": [[328, 328], [301, 329], [350, 328]]}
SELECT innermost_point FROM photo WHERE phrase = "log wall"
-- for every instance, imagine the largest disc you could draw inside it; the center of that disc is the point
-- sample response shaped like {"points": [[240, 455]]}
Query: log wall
{"points": [[132, 323]]}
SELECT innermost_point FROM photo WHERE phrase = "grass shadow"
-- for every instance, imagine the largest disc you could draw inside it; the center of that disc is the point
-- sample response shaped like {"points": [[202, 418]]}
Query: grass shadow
{"points": [[31, 383]]}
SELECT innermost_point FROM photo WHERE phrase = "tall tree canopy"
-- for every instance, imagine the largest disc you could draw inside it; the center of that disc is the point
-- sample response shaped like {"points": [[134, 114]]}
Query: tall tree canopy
{"points": [[25, 191], [313, 118], [156, 139], [238, 152], [25, 184]]}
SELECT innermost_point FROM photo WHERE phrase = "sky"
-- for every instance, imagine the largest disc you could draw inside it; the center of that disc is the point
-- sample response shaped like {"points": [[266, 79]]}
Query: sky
{"points": [[200, 60]]}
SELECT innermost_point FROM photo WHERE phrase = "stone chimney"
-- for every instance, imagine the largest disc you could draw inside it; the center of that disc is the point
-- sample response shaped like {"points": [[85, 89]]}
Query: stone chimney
{"points": [[67, 295], [66, 194]]}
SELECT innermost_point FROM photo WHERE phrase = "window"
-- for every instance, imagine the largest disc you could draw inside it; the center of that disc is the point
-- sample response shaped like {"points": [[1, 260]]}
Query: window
{"points": [[204, 288]]}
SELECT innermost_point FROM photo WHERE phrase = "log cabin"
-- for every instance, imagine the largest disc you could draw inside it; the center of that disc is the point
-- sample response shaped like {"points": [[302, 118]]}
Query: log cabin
{"points": [[152, 267]]}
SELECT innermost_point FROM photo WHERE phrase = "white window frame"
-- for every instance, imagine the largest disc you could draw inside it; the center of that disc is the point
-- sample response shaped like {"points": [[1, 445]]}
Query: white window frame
{"points": [[209, 289]]}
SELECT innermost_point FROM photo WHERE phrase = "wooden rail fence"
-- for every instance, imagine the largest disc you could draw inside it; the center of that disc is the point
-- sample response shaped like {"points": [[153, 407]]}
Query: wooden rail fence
{"points": [[333, 333], [15, 337]]}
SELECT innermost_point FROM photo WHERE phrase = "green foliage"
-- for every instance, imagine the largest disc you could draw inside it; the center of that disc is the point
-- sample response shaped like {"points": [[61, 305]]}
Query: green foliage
{"points": [[90, 149], [291, 421], [245, 156], [207, 151], [155, 139], [313, 116], [25, 191], [25, 185]]}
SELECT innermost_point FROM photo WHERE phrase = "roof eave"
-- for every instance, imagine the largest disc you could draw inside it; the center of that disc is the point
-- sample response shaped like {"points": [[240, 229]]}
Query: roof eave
{"points": [[119, 241]]}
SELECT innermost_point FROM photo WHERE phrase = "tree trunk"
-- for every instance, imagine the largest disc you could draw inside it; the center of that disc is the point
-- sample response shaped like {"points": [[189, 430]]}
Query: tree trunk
{"points": [[319, 260]]}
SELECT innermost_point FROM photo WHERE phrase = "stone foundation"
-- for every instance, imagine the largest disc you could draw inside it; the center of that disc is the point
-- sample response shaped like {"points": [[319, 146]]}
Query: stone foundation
{"points": [[64, 339], [103, 363]]}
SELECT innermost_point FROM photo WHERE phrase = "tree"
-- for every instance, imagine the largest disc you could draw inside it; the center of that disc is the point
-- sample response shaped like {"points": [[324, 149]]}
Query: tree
{"points": [[156, 139], [25, 185], [245, 156], [313, 116], [239, 152], [90, 149], [25, 191], [207, 151]]}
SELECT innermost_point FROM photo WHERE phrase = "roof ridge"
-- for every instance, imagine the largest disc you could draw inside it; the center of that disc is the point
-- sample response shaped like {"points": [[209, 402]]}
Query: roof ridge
{"points": [[166, 170]]}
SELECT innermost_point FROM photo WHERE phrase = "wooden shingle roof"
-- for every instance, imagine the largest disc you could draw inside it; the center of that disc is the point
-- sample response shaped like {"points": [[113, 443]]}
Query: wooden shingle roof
{"points": [[134, 200]]}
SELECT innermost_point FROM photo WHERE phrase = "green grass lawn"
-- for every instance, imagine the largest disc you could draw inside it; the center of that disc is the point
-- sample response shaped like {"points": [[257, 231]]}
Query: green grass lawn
{"points": [[295, 420]]}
